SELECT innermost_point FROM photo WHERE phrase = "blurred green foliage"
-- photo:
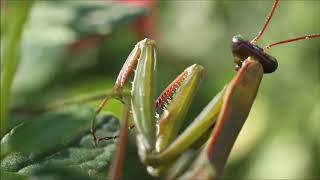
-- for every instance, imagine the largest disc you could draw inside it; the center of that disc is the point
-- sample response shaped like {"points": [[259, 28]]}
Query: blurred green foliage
{"points": [[281, 136], [13, 28]]}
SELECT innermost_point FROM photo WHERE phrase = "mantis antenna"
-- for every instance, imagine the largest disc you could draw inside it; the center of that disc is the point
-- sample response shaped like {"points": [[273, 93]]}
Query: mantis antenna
{"points": [[242, 49], [291, 40], [264, 27]]}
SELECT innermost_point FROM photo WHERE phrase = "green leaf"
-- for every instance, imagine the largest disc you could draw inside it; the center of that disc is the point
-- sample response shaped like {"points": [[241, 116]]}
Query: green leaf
{"points": [[83, 155], [60, 173], [38, 138], [44, 135], [10, 57], [62, 139], [11, 176], [50, 172]]}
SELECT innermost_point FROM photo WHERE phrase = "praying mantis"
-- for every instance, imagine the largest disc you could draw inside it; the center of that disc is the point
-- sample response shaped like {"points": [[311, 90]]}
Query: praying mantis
{"points": [[208, 140]]}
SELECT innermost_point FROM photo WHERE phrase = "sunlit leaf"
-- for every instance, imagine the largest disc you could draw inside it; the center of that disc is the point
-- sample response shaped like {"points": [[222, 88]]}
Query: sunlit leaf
{"points": [[30, 143]]}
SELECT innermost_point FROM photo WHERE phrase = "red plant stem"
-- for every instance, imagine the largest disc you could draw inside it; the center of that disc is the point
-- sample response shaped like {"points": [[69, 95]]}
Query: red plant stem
{"points": [[120, 153]]}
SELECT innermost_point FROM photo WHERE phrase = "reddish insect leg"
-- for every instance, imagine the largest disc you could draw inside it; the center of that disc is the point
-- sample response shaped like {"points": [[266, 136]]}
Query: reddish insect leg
{"points": [[160, 102], [123, 76], [169, 91]]}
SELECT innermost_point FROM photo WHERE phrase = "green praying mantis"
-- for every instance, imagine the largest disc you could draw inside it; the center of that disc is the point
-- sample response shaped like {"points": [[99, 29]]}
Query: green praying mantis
{"points": [[208, 140]]}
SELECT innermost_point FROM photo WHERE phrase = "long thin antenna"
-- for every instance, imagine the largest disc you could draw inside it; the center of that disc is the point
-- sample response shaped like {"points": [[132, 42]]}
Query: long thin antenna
{"points": [[291, 40], [275, 4]]}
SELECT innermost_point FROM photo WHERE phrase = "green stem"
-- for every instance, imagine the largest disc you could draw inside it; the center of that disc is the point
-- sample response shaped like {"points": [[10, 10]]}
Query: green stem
{"points": [[9, 62]]}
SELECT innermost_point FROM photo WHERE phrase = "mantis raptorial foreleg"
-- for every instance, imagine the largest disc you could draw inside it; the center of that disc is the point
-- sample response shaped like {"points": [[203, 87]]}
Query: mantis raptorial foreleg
{"points": [[181, 92], [143, 96], [238, 99], [123, 76], [194, 131], [158, 122], [143, 109]]}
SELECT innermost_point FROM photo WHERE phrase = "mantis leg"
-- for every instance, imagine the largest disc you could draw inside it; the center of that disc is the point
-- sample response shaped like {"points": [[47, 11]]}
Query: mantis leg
{"points": [[194, 131], [185, 85], [149, 140], [172, 117], [142, 100], [116, 91], [245, 83], [157, 139], [239, 97]]}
